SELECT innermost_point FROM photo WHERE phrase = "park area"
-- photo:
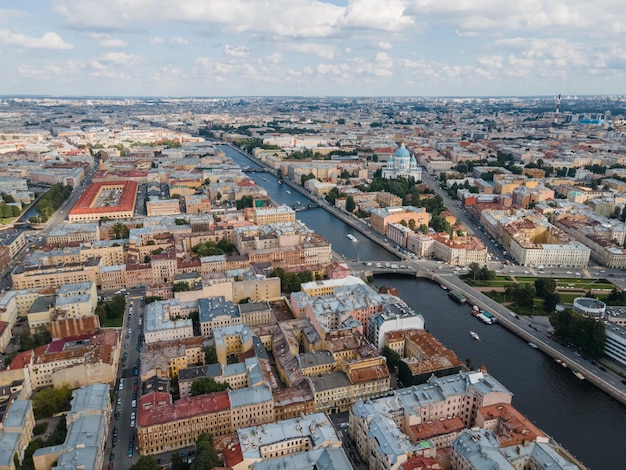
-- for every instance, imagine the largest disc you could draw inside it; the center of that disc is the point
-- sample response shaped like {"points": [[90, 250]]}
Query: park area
{"points": [[539, 296]]}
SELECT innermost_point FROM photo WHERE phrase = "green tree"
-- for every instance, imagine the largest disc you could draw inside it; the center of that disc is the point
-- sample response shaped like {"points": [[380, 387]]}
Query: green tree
{"points": [[350, 204], [423, 228], [181, 287], [49, 401], [393, 358], [206, 455], [146, 462], [178, 463], [210, 355], [412, 224], [207, 385]]}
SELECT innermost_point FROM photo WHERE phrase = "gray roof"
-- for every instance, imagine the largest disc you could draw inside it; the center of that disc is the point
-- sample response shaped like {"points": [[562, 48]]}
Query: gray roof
{"points": [[17, 413], [92, 397], [316, 427], [336, 379], [328, 458], [249, 396], [214, 307], [254, 307], [315, 358], [480, 448], [9, 443]]}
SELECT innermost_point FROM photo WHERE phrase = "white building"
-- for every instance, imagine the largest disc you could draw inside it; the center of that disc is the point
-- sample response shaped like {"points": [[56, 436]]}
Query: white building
{"points": [[402, 164]]}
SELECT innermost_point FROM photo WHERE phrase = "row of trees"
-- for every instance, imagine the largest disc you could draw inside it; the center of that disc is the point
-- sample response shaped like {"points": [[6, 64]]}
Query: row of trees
{"points": [[482, 274], [7, 211], [582, 332], [291, 282], [546, 289], [50, 202]]}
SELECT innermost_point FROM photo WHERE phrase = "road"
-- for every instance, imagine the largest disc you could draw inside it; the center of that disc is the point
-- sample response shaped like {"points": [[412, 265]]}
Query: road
{"points": [[125, 396]]}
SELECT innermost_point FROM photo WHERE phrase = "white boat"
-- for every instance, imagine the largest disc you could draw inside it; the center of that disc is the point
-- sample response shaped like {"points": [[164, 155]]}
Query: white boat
{"points": [[287, 191], [578, 375], [533, 345], [352, 238], [475, 335]]}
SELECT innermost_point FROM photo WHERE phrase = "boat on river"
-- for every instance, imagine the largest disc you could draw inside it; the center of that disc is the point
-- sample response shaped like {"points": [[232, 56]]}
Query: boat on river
{"points": [[578, 375], [287, 191], [444, 287], [533, 345], [475, 335], [352, 238]]}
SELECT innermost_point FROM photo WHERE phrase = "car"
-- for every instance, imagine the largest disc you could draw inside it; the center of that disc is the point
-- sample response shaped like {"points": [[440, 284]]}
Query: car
{"points": [[130, 452], [624, 381], [117, 415], [111, 457], [136, 371], [603, 369], [133, 403], [134, 395], [133, 415], [132, 423]]}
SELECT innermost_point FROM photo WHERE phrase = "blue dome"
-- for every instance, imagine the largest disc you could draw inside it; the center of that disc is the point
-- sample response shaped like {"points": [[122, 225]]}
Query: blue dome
{"points": [[402, 152]]}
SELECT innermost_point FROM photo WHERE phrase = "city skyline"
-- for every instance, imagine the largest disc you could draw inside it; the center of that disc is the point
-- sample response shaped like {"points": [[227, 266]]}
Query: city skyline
{"points": [[308, 47]]}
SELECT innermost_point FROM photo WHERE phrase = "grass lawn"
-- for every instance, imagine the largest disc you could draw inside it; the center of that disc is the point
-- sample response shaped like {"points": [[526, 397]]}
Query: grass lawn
{"points": [[568, 289], [7, 220], [113, 322]]}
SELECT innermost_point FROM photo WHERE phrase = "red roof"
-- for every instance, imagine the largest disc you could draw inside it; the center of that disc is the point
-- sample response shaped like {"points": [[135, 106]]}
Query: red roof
{"points": [[232, 455], [127, 198], [155, 408], [21, 360], [59, 345]]}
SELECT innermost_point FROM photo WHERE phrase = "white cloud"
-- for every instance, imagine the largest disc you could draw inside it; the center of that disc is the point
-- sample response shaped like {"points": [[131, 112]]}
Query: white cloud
{"points": [[179, 41], [326, 51], [382, 15], [275, 58], [385, 45], [156, 40], [8, 16], [119, 58], [236, 51], [49, 40], [106, 40]]}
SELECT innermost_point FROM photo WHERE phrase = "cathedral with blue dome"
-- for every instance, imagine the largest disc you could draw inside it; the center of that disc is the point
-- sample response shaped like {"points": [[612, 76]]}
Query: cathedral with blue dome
{"points": [[402, 164]]}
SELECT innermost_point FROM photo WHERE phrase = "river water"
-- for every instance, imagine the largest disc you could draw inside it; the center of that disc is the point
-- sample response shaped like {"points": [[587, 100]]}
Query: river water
{"points": [[582, 418]]}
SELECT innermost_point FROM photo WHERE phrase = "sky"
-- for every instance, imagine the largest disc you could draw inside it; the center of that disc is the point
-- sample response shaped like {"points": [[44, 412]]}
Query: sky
{"points": [[312, 47]]}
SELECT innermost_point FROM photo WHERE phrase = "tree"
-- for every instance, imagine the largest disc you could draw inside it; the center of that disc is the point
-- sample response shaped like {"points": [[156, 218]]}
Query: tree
{"points": [[210, 355], [218, 196], [345, 174], [49, 401], [206, 455], [178, 463], [412, 224], [181, 287], [207, 385], [393, 358], [350, 204], [423, 228], [146, 462]]}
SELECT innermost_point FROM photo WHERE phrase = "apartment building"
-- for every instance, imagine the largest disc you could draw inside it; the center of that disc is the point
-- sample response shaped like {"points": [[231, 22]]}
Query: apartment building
{"points": [[217, 312], [380, 218], [87, 430], [16, 432], [197, 204], [393, 317], [481, 448], [158, 207], [273, 215], [231, 340], [166, 320], [170, 358], [75, 361], [163, 425], [267, 442], [34, 277], [422, 356], [378, 426], [72, 233]]}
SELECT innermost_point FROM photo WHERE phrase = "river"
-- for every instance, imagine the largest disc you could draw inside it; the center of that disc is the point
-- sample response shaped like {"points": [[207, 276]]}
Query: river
{"points": [[582, 418]]}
